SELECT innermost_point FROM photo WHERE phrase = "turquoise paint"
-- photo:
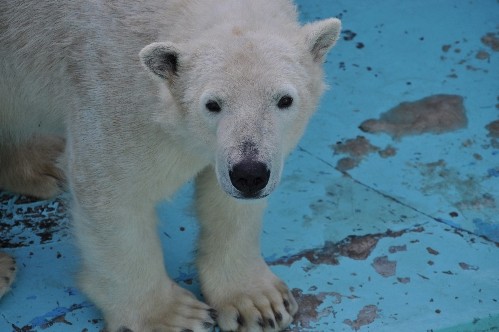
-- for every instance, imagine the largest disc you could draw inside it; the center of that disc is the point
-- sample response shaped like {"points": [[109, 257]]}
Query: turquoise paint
{"points": [[488, 229], [493, 172], [45, 320], [449, 222], [485, 324]]}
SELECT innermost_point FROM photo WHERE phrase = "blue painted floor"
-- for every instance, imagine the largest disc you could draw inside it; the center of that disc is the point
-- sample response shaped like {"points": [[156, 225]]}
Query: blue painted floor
{"points": [[373, 233]]}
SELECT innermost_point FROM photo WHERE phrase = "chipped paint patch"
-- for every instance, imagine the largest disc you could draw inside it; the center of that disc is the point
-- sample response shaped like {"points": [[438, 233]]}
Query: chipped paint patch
{"points": [[356, 149], [55, 316], [435, 114], [358, 247], [465, 191], [366, 316], [387, 152], [466, 266], [309, 309], [22, 217], [404, 280], [394, 249], [354, 246], [385, 267], [347, 163], [491, 39], [493, 129]]}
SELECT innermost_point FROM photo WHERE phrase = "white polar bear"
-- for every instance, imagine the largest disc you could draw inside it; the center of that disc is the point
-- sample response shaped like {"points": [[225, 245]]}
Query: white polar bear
{"points": [[235, 83]]}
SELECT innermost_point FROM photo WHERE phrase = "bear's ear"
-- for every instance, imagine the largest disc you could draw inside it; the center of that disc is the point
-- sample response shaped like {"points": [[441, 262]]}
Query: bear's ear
{"points": [[161, 59], [320, 36]]}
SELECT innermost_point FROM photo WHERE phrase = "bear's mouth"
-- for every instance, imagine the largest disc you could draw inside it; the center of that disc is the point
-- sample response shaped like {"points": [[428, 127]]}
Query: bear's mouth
{"points": [[252, 197]]}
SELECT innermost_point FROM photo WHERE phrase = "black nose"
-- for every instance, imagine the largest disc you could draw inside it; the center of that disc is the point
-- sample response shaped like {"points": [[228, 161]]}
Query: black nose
{"points": [[249, 177]]}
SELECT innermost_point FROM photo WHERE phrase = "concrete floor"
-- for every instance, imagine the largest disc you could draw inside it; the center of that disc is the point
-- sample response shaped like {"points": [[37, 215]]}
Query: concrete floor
{"points": [[373, 233]]}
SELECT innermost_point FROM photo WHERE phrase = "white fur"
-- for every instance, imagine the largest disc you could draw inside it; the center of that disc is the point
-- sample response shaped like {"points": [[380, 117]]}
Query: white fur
{"points": [[7, 272], [73, 69]]}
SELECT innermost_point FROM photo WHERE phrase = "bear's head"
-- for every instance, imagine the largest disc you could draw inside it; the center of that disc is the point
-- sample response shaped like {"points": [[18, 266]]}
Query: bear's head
{"points": [[244, 97]]}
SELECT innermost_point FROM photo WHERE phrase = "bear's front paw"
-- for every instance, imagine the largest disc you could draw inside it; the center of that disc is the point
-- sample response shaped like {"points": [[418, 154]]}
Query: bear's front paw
{"points": [[260, 302], [175, 310]]}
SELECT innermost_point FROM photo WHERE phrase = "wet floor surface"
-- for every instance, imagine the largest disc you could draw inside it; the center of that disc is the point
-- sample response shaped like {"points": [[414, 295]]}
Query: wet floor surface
{"points": [[387, 215]]}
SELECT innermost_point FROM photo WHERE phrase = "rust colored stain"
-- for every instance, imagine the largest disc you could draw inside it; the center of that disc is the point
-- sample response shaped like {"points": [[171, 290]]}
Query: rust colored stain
{"points": [[384, 266], [491, 40], [308, 304], [482, 55], [387, 152], [359, 247], [434, 114], [356, 149], [439, 178], [432, 251], [466, 266], [366, 316], [493, 129], [354, 246], [394, 249], [347, 163], [404, 280], [309, 312]]}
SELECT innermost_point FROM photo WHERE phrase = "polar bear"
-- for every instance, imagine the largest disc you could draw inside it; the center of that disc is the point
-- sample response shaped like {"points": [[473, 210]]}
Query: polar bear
{"points": [[125, 101]]}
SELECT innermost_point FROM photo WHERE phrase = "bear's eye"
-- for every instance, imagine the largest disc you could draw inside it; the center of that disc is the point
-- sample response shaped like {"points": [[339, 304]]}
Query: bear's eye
{"points": [[213, 106], [285, 102]]}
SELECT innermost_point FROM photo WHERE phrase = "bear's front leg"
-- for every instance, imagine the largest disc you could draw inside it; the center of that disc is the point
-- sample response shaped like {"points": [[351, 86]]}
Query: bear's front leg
{"points": [[123, 266], [235, 279]]}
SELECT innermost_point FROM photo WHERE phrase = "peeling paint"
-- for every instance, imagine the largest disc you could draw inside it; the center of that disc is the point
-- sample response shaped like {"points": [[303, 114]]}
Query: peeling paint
{"points": [[354, 246], [404, 280], [309, 309], [356, 149], [465, 191], [21, 217], [384, 266], [394, 249], [55, 316], [432, 251], [493, 129], [366, 316], [435, 114], [466, 266], [347, 163], [387, 152], [491, 39]]}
